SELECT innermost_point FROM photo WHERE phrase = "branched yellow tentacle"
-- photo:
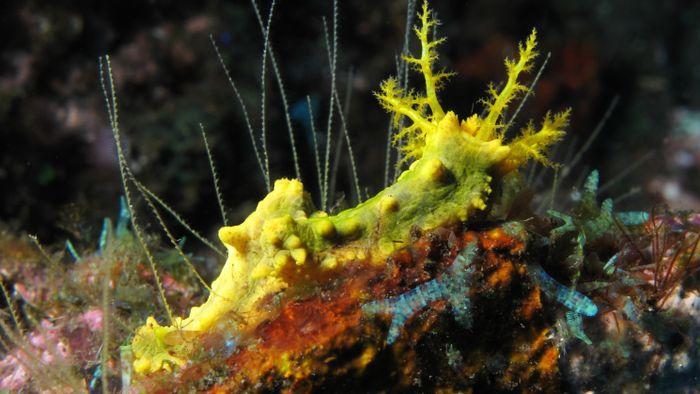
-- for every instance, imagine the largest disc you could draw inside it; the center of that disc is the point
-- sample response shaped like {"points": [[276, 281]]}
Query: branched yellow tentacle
{"points": [[395, 100], [532, 144], [424, 64], [498, 101], [413, 106]]}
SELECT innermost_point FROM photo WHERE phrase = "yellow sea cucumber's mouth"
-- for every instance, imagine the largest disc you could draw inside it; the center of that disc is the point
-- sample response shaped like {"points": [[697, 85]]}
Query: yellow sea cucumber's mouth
{"points": [[285, 243]]}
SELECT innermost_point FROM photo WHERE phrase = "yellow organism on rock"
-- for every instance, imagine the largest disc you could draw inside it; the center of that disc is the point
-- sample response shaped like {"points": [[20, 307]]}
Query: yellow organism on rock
{"points": [[286, 243]]}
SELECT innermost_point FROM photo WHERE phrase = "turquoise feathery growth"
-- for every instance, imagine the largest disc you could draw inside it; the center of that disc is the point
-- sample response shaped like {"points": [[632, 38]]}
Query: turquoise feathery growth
{"points": [[568, 297], [105, 235], [587, 222], [124, 218], [452, 286], [575, 323], [577, 303], [591, 221], [108, 231], [72, 251]]}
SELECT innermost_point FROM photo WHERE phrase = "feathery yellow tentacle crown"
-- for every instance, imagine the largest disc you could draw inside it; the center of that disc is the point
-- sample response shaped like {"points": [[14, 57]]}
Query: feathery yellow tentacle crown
{"points": [[425, 112]]}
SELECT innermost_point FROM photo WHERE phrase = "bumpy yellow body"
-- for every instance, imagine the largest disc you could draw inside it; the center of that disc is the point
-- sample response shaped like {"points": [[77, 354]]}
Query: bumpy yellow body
{"points": [[286, 243]]}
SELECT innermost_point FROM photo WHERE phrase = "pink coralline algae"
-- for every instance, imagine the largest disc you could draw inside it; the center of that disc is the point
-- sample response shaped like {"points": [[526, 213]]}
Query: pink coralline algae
{"points": [[52, 344]]}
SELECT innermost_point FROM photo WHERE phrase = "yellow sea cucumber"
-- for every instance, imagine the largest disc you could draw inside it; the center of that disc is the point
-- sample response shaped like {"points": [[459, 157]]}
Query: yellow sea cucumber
{"points": [[286, 242]]}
